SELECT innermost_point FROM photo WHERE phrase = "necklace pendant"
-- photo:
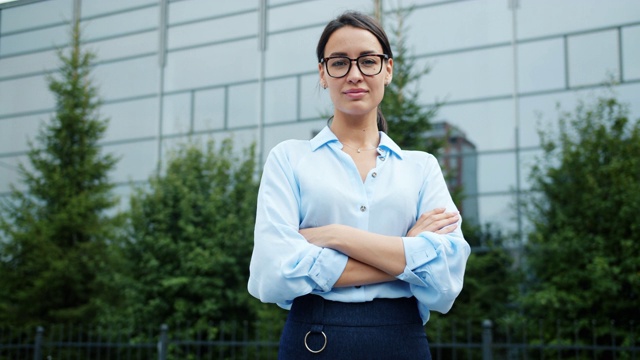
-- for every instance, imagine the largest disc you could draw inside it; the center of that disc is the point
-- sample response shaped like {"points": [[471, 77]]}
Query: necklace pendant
{"points": [[358, 149]]}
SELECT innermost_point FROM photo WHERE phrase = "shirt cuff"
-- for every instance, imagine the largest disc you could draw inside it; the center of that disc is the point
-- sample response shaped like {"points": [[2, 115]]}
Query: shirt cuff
{"points": [[328, 268], [418, 251]]}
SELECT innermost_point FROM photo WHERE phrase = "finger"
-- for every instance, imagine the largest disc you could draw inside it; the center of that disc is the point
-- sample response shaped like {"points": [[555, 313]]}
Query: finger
{"points": [[447, 229], [428, 214], [447, 217], [429, 217], [454, 218]]}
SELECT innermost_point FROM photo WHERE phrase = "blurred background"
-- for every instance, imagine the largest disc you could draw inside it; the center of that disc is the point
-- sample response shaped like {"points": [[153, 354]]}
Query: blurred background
{"points": [[173, 248], [169, 69]]}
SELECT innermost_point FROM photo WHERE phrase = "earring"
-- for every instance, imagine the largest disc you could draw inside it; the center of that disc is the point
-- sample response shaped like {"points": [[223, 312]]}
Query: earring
{"points": [[324, 86]]}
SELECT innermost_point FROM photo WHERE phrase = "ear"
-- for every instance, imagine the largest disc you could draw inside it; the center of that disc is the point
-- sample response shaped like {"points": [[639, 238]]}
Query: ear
{"points": [[389, 68], [321, 74]]}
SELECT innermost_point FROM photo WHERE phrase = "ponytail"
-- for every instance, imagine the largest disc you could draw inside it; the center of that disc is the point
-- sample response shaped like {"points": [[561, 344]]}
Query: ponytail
{"points": [[382, 122]]}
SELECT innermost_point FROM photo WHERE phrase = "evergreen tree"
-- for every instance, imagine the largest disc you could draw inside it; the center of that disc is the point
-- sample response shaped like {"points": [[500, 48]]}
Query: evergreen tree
{"points": [[408, 120], [190, 238], [409, 125], [583, 254], [56, 232]]}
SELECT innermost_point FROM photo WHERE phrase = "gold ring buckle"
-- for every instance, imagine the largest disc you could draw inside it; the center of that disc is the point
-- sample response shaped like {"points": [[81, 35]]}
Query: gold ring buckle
{"points": [[315, 351]]}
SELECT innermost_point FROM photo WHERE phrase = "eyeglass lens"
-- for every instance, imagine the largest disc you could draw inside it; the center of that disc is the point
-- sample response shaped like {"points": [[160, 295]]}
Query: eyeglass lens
{"points": [[368, 65]]}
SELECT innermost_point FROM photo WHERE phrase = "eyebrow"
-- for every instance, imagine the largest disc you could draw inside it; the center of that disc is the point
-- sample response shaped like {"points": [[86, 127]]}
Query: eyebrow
{"points": [[345, 54]]}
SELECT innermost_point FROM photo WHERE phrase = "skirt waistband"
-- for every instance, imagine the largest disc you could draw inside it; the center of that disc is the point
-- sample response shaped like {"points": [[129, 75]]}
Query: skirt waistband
{"points": [[315, 309]]}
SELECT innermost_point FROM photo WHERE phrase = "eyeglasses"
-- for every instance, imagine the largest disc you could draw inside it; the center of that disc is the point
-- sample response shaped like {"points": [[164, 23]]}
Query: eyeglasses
{"points": [[339, 66]]}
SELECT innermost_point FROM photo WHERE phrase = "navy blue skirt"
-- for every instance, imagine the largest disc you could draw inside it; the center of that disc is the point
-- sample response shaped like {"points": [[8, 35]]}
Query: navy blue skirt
{"points": [[378, 329]]}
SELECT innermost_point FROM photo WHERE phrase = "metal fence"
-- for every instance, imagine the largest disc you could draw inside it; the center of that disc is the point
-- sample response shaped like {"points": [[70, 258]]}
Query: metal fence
{"points": [[473, 340]]}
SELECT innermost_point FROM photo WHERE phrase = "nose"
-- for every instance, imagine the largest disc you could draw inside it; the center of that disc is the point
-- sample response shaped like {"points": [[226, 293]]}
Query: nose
{"points": [[354, 75]]}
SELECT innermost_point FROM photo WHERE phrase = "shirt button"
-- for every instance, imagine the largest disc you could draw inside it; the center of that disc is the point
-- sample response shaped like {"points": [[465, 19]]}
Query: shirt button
{"points": [[382, 158], [363, 208], [374, 174], [358, 286]]}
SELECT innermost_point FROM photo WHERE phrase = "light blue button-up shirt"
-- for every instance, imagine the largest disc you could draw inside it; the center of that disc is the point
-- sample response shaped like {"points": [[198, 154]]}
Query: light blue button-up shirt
{"points": [[314, 183]]}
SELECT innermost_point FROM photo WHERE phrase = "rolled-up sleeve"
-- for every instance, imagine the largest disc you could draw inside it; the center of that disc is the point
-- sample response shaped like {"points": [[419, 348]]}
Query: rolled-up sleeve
{"points": [[435, 268], [284, 265], [435, 263]]}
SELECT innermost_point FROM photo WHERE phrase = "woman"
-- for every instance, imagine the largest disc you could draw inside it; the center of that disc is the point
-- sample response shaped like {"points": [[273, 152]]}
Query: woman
{"points": [[358, 238]]}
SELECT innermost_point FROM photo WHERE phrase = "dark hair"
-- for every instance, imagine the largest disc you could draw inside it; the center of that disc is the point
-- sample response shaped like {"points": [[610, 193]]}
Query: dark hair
{"points": [[361, 21]]}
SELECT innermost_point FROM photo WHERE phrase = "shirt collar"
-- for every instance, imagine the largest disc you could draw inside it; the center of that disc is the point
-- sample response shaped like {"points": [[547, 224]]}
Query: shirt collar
{"points": [[326, 136]]}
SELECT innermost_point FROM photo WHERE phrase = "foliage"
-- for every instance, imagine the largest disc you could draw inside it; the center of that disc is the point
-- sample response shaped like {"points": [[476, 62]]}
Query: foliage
{"points": [[408, 120], [56, 232], [189, 239], [489, 279], [490, 287], [583, 255]]}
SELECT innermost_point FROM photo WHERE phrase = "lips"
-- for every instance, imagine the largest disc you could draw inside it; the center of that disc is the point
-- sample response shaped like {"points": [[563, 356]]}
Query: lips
{"points": [[355, 93]]}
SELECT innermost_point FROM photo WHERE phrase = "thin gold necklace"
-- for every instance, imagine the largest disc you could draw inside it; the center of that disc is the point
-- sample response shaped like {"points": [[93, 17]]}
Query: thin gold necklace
{"points": [[360, 149]]}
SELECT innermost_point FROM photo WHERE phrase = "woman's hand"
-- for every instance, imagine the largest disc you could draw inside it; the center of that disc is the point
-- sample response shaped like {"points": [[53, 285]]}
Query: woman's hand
{"points": [[437, 221]]}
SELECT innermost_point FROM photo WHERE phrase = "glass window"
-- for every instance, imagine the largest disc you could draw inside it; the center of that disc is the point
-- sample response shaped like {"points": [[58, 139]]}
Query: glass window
{"points": [[15, 132], [541, 113], [528, 159], [593, 58], [9, 172], [241, 140], [541, 66], [13, 99], [123, 192], [28, 64], [311, 12], [314, 101], [137, 162], [631, 53], [499, 211], [131, 119], [176, 114], [128, 78], [43, 39], [488, 125], [243, 106], [496, 172], [274, 134], [229, 27], [121, 23], [212, 65], [181, 11], [292, 52], [458, 25], [281, 2], [281, 100], [629, 94], [210, 109], [37, 14], [125, 46], [469, 75], [93, 8], [550, 17]]}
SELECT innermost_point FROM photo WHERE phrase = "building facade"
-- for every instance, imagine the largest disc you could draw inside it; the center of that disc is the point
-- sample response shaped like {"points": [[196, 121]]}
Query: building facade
{"points": [[170, 69]]}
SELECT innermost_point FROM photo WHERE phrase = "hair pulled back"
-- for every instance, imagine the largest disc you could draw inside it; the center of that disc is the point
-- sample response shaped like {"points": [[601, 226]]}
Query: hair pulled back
{"points": [[361, 21]]}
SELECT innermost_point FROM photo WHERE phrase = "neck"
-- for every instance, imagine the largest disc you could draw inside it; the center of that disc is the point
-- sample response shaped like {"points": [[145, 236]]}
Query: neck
{"points": [[359, 132]]}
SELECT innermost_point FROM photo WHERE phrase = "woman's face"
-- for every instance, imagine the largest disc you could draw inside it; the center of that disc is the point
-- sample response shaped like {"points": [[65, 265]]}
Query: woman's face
{"points": [[355, 94]]}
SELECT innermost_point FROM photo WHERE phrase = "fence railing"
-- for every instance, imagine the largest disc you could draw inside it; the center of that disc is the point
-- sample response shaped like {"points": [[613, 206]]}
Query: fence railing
{"points": [[482, 341]]}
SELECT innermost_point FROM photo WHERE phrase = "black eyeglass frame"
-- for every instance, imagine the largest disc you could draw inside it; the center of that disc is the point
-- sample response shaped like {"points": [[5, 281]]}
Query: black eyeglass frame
{"points": [[382, 57]]}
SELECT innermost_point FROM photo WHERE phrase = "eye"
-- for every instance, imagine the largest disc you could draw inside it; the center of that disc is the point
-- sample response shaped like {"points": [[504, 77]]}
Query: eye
{"points": [[338, 62], [369, 61]]}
